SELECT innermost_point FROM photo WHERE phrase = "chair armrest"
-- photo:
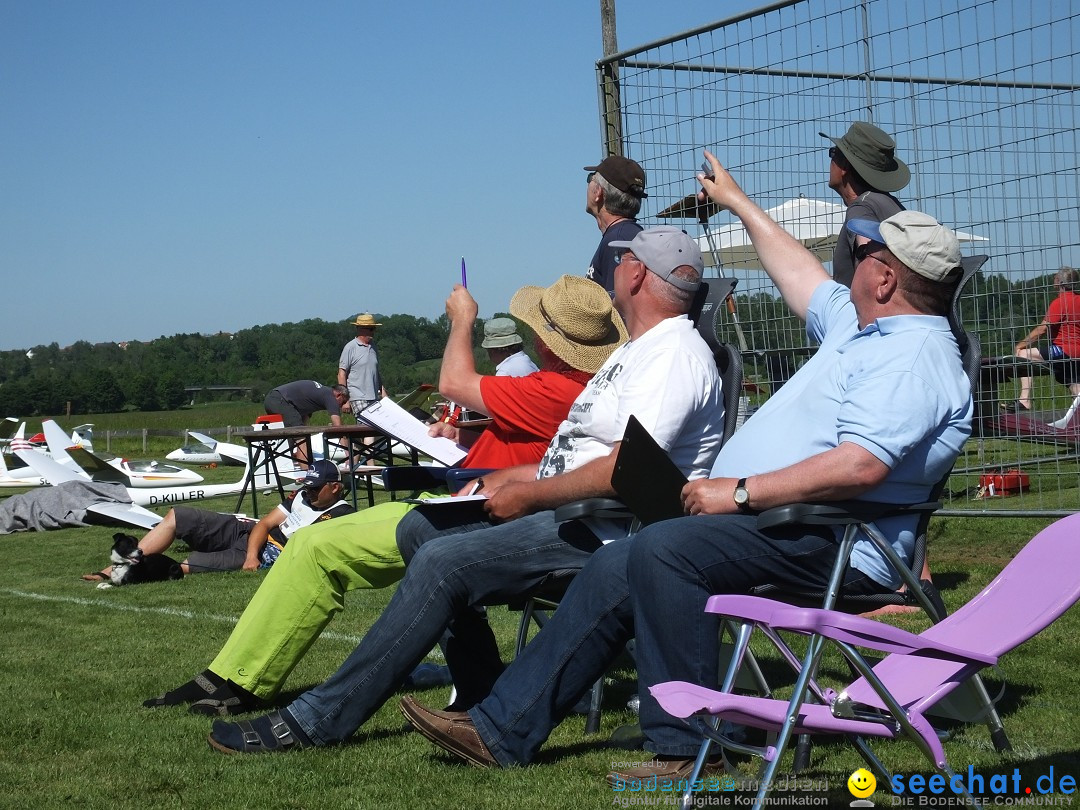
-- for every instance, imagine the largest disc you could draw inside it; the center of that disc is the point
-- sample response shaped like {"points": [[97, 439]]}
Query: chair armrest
{"points": [[837, 513], [592, 507], [845, 627]]}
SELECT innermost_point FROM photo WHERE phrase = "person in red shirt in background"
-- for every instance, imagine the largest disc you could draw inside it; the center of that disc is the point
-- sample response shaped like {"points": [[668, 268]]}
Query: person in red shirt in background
{"points": [[1062, 326], [307, 584]]}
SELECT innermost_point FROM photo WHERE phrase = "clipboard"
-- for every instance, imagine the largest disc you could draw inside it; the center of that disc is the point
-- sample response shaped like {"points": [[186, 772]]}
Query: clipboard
{"points": [[646, 478], [391, 419]]}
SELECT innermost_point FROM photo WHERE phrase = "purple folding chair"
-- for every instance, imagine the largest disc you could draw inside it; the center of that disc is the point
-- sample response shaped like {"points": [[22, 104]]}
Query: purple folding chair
{"points": [[890, 699]]}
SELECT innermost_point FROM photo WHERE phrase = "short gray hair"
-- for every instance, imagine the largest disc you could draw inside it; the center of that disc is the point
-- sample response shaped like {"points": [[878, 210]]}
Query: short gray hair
{"points": [[677, 297], [617, 202]]}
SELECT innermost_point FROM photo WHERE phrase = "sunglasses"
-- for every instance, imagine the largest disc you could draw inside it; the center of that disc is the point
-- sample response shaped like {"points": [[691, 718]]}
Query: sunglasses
{"points": [[833, 152], [867, 249], [313, 489], [589, 177]]}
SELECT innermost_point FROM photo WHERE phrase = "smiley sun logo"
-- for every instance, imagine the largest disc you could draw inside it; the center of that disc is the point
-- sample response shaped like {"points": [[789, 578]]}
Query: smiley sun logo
{"points": [[861, 783]]}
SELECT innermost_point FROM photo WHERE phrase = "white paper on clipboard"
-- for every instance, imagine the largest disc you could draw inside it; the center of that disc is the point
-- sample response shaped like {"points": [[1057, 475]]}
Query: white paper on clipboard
{"points": [[393, 420]]}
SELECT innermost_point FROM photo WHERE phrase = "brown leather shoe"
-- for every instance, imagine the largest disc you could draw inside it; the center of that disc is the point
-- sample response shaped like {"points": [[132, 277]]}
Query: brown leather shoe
{"points": [[665, 768], [453, 731]]}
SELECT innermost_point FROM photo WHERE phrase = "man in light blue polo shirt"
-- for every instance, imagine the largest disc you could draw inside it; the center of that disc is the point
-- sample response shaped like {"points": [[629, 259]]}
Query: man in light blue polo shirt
{"points": [[879, 413]]}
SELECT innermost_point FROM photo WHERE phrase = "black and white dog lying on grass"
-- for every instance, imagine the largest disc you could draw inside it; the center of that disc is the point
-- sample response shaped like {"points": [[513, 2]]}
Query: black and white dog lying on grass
{"points": [[130, 566]]}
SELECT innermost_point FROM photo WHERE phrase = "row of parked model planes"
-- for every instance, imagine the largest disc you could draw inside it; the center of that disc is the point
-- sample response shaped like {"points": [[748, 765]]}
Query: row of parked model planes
{"points": [[53, 457]]}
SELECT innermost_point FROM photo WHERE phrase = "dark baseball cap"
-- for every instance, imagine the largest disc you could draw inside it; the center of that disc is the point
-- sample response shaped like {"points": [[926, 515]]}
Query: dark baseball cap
{"points": [[320, 473], [623, 173]]}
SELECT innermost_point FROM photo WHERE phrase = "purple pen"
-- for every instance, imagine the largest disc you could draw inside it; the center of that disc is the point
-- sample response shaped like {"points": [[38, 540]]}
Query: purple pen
{"points": [[464, 283]]}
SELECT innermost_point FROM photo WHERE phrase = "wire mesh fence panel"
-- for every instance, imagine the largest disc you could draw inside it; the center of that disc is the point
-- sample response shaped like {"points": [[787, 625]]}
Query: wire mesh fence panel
{"points": [[980, 97]]}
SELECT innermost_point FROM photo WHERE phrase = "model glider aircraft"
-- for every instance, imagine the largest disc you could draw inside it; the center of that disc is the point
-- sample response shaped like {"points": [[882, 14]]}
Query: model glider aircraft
{"points": [[205, 450], [143, 474], [132, 513]]}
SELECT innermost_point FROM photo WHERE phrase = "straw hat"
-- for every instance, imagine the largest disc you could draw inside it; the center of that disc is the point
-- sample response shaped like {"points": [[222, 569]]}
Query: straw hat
{"points": [[574, 318], [365, 320]]}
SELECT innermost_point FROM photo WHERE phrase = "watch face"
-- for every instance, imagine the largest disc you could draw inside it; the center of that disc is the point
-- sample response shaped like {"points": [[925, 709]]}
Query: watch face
{"points": [[741, 495]]}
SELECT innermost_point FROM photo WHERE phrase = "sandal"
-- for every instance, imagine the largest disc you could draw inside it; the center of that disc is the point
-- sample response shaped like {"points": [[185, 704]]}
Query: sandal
{"points": [[223, 706], [1016, 406], [198, 688], [273, 734]]}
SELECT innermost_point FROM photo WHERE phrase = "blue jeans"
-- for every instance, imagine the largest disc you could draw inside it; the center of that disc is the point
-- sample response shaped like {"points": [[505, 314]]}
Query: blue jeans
{"points": [[653, 585], [469, 564]]}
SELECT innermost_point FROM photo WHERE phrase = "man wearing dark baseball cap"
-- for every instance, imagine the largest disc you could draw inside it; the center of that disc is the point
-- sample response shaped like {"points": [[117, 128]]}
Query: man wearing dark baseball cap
{"points": [[616, 187], [863, 170]]}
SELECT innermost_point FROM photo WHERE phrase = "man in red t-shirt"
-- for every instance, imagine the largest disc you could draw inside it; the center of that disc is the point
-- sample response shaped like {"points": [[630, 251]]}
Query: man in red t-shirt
{"points": [[1062, 350], [307, 584]]}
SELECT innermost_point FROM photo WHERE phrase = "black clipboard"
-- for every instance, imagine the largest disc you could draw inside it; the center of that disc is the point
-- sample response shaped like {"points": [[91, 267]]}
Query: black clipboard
{"points": [[646, 478]]}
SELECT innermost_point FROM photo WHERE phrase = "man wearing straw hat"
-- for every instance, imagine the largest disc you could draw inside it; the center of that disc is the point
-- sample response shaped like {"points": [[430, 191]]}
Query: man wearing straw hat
{"points": [[863, 170], [458, 560], [358, 367]]}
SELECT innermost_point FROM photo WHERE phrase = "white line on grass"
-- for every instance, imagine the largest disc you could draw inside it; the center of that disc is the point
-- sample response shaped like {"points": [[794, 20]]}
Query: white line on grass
{"points": [[165, 611]]}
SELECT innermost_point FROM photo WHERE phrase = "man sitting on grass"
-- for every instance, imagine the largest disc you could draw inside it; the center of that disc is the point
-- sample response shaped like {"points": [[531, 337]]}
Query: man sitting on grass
{"points": [[225, 542]]}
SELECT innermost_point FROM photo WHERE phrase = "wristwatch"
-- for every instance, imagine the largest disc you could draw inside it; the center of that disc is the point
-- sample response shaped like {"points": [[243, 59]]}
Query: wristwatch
{"points": [[741, 497]]}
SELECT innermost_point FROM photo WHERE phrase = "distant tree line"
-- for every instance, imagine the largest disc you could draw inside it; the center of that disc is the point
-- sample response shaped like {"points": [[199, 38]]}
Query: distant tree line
{"points": [[106, 378]]}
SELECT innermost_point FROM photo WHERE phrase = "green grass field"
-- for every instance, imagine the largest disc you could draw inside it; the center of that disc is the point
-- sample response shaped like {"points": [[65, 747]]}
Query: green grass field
{"points": [[78, 661]]}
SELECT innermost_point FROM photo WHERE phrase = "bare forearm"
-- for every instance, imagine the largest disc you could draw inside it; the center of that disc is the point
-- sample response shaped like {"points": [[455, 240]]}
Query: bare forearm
{"points": [[791, 266], [1033, 336], [521, 498], [458, 378], [593, 480], [844, 472], [255, 542], [835, 475]]}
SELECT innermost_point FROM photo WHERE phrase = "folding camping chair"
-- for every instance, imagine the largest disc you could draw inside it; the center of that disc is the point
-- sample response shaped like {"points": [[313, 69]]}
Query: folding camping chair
{"points": [[892, 698]]}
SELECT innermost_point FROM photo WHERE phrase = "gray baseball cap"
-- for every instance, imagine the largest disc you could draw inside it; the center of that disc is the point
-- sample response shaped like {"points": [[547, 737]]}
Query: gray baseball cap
{"points": [[500, 332], [662, 250], [918, 240]]}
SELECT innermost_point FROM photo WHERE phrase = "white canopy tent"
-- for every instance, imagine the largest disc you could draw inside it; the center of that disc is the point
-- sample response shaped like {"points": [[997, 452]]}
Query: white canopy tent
{"points": [[815, 223]]}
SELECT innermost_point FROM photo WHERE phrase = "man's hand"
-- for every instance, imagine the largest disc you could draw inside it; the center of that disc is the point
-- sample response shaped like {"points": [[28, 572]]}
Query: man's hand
{"points": [[460, 306], [721, 188], [494, 481], [709, 496], [511, 500], [444, 430]]}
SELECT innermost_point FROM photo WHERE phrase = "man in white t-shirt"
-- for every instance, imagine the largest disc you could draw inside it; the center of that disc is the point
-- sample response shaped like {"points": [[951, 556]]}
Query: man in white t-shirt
{"points": [[665, 376]]}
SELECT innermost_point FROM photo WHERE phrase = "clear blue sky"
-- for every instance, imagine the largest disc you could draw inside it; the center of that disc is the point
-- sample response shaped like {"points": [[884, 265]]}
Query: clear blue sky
{"points": [[205, 165]]}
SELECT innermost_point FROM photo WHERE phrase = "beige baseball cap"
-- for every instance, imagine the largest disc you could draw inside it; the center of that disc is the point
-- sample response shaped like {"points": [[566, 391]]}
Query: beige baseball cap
{"points": [[918, 240]]}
